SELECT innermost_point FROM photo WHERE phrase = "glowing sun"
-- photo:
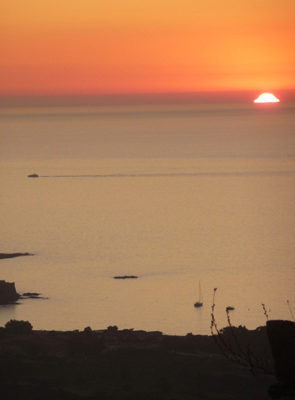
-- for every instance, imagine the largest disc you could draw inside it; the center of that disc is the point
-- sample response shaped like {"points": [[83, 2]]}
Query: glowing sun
{"points": [[266, 98]]}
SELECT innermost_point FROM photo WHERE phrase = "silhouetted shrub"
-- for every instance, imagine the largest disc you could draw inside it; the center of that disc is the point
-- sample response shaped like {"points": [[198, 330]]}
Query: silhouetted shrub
{"points": [[15, 327], [241, 332], [88, 329], [112, 328], [234, 344]]}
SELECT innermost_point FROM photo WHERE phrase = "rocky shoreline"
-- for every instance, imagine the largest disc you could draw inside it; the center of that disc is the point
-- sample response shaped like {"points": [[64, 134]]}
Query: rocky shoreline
{"points": [[9, 295], [114, 364]]}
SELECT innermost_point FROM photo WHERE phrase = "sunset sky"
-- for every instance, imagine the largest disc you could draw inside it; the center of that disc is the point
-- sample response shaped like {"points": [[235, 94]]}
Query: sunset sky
{"points": [[145, 46]]}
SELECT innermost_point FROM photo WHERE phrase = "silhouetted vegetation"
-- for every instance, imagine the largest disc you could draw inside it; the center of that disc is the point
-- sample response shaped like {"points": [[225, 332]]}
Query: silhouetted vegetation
{"points": [[115, 364], [14, 327], [235, 344]]}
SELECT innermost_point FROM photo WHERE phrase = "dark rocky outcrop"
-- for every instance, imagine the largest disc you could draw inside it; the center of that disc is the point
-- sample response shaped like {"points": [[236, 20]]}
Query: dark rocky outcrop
{"points": [[29, 294], [126, 277], [8, 294], [32, 295], [12, 255], [281, 336]]}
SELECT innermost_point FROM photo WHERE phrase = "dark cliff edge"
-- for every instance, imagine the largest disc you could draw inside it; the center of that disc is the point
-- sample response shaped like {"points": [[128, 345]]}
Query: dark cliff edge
{"points": [[8, 293]]}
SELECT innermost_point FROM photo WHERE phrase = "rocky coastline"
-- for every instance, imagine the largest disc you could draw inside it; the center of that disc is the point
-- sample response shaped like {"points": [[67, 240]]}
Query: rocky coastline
{"points": [[114, 364], [8, 293], [130, 364]]}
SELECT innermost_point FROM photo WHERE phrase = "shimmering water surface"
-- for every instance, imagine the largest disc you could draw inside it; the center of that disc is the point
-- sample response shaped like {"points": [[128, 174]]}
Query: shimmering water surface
{"points": [[175, 196]]}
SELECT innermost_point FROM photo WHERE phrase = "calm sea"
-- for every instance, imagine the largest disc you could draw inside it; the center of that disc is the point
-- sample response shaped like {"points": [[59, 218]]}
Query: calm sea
{"points": [[174, 195]]}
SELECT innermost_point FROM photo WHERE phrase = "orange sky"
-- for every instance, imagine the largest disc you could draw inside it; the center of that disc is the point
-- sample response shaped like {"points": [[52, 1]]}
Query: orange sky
{"points": [[135, 46]]}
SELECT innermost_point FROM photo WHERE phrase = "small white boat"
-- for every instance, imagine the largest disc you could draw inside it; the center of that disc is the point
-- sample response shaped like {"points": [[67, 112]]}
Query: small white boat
{"points": [[229, 308], [200, 302]]}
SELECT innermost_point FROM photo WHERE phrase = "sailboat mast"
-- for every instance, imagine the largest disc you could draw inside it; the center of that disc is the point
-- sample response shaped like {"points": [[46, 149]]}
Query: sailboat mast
{"points": [[200, 293]]}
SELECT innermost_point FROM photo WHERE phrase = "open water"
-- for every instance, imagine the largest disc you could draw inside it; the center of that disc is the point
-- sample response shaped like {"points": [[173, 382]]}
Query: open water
{"points": [[174, 195]]}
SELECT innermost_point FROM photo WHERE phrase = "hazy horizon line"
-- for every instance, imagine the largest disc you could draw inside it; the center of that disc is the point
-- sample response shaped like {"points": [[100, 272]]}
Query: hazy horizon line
{"points": [[116, 99]]}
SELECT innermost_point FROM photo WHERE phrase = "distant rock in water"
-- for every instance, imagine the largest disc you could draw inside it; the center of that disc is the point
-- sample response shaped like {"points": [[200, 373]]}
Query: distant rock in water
{"points": [[8, 294], [12, 255], [126, 277], [31, 295]]}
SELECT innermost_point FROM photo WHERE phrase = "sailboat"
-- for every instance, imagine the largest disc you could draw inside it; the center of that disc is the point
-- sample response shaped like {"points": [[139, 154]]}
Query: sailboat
{"points": [[200, 302]]}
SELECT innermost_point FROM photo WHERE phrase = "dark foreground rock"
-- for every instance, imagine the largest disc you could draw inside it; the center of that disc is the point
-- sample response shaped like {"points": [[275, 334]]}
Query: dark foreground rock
{"points": [[13, 255], [8, 293], [281, 335], [115, 364]]}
